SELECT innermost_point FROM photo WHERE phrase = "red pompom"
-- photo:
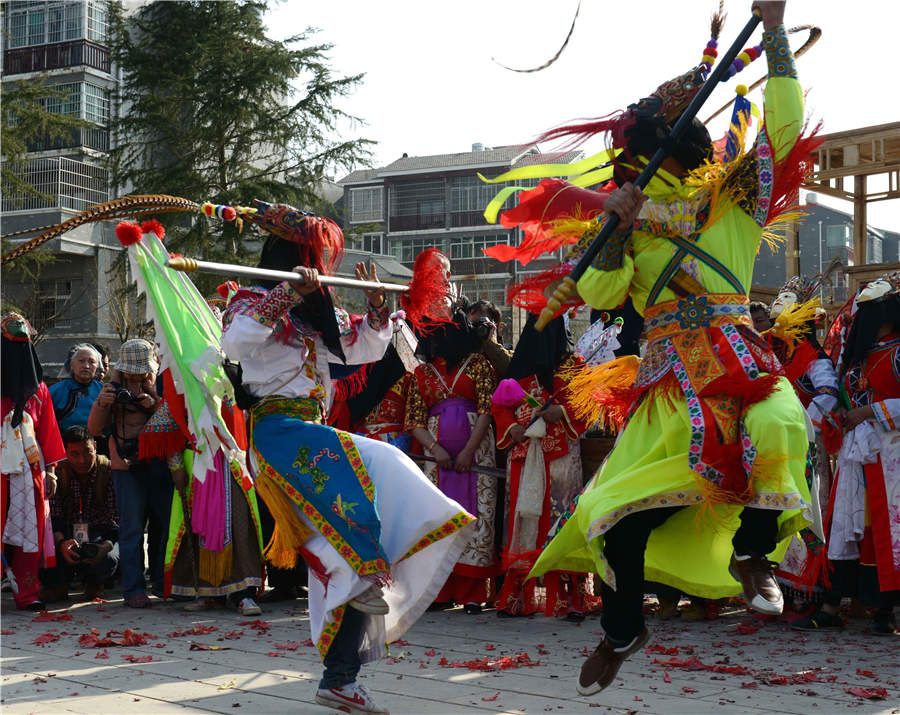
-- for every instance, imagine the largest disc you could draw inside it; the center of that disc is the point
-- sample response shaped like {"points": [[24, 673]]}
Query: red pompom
{"points": [[128, 233], [153, 226], [225, 288], [229, 214], [711, 51]]}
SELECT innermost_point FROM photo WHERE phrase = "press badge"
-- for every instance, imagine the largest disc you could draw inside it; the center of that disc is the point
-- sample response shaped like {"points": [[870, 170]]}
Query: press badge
{"points": [[80, 532]]}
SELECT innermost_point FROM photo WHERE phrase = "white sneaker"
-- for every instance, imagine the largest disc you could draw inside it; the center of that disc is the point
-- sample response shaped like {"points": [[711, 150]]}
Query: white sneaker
{"points": [[352, 698], [249, 607], [371, 601]]}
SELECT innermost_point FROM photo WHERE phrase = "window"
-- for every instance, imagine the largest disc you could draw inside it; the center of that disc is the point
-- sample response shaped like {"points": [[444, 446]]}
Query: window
{"points": [[366, 204], [372, 242], [38, 23], [472, 246], [469, 193], [97, 23], [96, 104], [70, 101], [837, 236], [417, 205], [73, 20], [55, 23], [406, 250], [874, 249], [54, 298]]}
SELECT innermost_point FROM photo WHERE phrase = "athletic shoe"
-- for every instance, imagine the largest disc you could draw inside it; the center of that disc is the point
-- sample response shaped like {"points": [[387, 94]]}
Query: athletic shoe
{"points": [[599, 670], [761, 591], [352, 698], [818, 621], [472, 609], [371, 601], [248, 607]]}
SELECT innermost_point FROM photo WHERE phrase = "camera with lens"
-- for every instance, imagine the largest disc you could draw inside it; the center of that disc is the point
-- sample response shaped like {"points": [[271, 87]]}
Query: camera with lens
{"points": [[122, 395], [483, 328], [86, 551]]}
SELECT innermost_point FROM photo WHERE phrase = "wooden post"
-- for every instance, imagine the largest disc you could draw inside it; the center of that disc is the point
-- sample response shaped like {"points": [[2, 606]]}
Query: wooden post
{"points": [[860, 220]]}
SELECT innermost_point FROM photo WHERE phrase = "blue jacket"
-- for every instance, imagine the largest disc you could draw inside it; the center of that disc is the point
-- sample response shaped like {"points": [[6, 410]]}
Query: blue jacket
{"points": [[72, 401]]}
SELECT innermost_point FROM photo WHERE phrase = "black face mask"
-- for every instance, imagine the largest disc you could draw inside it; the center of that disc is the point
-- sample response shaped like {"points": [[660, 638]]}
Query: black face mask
{"points": [[540, 353]]}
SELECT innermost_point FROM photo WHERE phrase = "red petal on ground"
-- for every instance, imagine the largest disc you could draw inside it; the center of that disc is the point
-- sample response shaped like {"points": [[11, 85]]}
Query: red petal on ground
{"points": [[431, 652], [747, 627], [867, 673], [750, 685], [47, 616], [204, 646], [102, 654], [138, 658], [688, 689], [257, 625], [290, 645], [490, 646], [7, 632], [273, 654], [491, 698], [868, 693], [667, 677], [399, 641], [46, 638]]}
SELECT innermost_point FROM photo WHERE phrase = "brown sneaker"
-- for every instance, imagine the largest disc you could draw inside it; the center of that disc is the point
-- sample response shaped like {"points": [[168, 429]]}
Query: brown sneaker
{"points": [[600, 669], [761, 591]]}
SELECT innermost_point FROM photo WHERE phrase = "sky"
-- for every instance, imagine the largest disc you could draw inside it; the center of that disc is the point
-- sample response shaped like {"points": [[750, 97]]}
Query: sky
{"points": [[433, 82]]}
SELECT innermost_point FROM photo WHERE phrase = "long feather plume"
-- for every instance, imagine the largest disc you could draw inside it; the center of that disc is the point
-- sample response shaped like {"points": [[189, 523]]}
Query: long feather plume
{"points": [[125, 207]]}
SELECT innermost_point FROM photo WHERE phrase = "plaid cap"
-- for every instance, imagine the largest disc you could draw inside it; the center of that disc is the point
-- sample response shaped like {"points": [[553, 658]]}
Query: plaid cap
{"points": [[136, 357]]}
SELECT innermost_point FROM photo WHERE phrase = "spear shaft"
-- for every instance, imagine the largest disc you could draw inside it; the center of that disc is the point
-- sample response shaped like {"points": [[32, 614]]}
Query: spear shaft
{"points": [[189, 265]]}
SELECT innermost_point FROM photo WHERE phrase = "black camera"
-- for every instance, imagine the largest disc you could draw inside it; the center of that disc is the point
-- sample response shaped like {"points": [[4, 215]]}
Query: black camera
{"points": [[86, 551], [483, 328], [122, 395]]}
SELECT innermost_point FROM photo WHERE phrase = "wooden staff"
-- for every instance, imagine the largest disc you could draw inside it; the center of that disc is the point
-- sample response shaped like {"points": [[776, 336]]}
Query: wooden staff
{"points": [[567, 287], [189, 265]]}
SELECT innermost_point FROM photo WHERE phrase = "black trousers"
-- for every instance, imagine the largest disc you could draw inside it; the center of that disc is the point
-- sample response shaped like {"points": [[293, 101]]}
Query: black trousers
{"points": [[624, 548]]}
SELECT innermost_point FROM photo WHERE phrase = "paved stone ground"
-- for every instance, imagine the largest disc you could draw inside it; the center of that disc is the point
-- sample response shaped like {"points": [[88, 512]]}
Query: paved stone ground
{"points": [[735, 664]]}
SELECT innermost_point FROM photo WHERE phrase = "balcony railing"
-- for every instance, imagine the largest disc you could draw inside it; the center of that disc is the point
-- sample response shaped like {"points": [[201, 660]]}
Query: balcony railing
{"points": [[64, 183], [91, 138], [55, 56]]}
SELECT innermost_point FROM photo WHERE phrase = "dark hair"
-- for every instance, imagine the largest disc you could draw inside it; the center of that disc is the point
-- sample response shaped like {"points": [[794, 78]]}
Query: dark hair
{"points": [[758, 305], [76, 433], [102, 348], [869, 318], [486, 306], [648, 134]]}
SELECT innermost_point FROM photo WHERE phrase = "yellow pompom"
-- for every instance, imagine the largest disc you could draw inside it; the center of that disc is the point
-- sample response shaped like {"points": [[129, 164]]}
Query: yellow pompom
{"points": [[742, 90]]}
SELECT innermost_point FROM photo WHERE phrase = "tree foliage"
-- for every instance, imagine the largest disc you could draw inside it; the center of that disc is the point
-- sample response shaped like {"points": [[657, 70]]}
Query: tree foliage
{"points": [[25, 124], [214, 110]]}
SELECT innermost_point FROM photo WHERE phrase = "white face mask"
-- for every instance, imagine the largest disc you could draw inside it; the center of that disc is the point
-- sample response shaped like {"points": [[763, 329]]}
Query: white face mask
{"points": [[784, 301], [875, 289]]}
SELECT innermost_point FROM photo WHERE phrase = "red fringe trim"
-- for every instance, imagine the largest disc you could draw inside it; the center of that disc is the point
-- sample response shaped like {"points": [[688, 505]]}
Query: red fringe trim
{"points": [[791, 172], [530, 293], [160, 444], [426, 301], [578, 133], [351, 385]]}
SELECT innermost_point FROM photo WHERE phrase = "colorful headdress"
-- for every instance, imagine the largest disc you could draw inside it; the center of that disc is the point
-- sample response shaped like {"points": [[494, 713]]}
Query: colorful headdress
{"points": [[801, 286], [16, 327], [320, 240], [882, 287]]}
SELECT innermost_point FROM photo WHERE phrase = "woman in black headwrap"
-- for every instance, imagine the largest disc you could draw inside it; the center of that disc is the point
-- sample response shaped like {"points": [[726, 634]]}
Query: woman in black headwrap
{"points": [[448, 412], [31, 447], [543, 468]]}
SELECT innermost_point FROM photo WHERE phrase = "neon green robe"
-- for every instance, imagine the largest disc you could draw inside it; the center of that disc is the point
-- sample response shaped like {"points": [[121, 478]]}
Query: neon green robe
{"points": [[648, 468]]}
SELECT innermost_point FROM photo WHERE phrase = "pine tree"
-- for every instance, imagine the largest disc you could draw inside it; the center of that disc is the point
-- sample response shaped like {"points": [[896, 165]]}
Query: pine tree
{"points": [[214, 110]]}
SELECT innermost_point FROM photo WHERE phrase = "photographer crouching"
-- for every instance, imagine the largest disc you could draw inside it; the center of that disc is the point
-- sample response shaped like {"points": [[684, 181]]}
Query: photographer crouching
{"points": [[85, 522], [143, 487]]}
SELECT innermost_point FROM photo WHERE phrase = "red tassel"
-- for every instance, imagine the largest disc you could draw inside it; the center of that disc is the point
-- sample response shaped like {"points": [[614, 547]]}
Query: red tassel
{"points": [[351, 385], [427, 301], [577, 134], [791, 172], [530, 293], [128, 233], [153, 226], [537, 213]]}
